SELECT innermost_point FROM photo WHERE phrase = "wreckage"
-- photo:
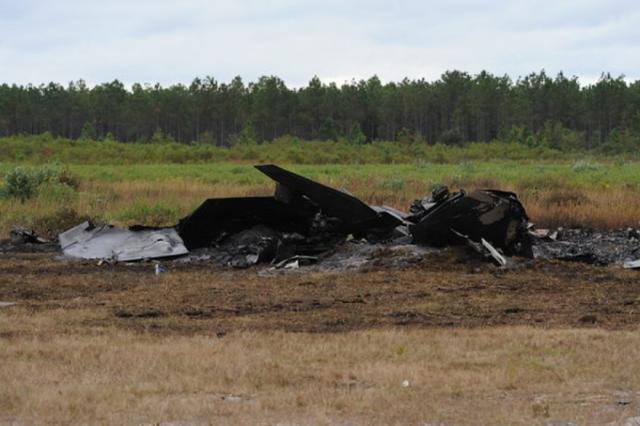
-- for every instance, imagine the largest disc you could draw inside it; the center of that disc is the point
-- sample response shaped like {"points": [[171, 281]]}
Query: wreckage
{"points": [[305, 218], [91, 241]]}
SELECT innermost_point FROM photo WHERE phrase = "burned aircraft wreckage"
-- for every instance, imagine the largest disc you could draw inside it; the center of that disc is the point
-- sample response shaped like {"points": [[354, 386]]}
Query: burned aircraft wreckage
{"points": [[304, 219]]}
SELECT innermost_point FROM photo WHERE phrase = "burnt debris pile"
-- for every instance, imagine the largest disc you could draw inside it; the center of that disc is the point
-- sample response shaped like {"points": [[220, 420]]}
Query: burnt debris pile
{"points": [[302, 218], [304, 221], [589, 246], [448, 218], [306, 218]]}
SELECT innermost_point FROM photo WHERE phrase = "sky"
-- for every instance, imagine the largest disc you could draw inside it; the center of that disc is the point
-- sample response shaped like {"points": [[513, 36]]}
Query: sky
{"points": [[169, 42]]}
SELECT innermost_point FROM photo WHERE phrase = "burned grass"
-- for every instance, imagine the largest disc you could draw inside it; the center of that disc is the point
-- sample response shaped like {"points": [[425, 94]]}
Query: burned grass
{"points": [[436, 293]]}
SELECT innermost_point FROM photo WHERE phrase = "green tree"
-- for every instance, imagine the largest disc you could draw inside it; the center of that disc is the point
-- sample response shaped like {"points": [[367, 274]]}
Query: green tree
{"points": [[88, 132], [357, 136]]}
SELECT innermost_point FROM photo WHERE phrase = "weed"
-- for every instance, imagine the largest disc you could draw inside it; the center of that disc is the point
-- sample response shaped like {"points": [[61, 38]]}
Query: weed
{"points": [[24, 183]]}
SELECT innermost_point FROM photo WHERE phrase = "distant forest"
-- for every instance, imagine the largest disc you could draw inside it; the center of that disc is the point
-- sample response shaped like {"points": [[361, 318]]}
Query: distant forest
{"points": [[454, 109]]}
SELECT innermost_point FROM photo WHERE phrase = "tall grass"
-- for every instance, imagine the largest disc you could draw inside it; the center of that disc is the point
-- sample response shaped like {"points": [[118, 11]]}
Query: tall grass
{"points": [[606, 196]]}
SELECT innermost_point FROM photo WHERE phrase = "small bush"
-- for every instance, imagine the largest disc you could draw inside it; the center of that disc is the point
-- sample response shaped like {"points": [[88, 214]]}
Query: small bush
{"points": [[357, 136], [20, 183], [24, 183]]}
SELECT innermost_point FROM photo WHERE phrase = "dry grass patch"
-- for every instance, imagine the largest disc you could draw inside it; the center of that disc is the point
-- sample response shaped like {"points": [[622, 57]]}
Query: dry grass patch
{"points": [[601, 209], [129, 202], [118, 344], [485, 376]]}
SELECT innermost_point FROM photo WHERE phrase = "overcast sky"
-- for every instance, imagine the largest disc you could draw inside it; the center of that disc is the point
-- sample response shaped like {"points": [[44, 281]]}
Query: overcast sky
{"points": [[174, 41]]}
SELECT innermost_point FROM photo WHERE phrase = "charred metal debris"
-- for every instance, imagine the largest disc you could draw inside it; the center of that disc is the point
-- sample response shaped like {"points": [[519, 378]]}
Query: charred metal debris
{"points": [[305, 221]]}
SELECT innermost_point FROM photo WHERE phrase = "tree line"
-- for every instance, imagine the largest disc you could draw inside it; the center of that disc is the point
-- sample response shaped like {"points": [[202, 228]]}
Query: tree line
{"points": [[456, 108]]}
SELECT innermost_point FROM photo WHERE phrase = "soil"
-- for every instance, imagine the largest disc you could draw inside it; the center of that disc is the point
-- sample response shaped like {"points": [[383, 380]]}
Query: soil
{"points": [[442, 289]]}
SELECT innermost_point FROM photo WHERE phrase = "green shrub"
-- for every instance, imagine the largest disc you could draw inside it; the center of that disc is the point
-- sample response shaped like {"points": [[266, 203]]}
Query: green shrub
{"points": [[88, 132], [23, 183], [357, 136], [20, 183]]}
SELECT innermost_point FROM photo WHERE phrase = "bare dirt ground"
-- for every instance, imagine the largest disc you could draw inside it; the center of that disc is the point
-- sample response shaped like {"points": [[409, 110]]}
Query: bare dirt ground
{"points": [[540, 342], [441, 291]]}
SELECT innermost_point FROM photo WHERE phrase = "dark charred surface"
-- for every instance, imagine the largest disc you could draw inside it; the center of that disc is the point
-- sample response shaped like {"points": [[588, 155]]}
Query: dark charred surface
{"points": [[445, 289], [495, 216], [9, 246], [589, 246], [354, 214], [219, 216]]}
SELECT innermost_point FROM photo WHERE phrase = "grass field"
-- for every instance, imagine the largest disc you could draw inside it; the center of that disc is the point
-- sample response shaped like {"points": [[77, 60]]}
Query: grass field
{"points": [[44, 148], [598, 194], [543, 343], [498, 376]]}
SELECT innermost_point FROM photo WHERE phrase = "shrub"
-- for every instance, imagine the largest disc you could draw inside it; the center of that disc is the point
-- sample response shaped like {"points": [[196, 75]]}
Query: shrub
{"points": [[246, 136], [88, 132], [158, 137], [555, 136], [23, 183], [452, 137], [20, 183], [357, 136]]}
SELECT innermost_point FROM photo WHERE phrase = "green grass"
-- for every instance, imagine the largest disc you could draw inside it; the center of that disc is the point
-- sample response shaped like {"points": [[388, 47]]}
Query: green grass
{"points": [[127, 183], [45, 149], [544, 174]]}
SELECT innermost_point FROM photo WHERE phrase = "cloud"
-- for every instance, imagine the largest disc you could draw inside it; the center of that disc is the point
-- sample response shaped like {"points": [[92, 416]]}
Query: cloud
{"points": [[173, 42]]}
